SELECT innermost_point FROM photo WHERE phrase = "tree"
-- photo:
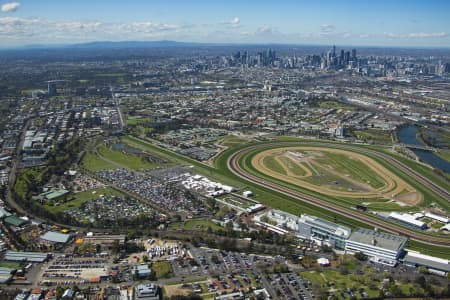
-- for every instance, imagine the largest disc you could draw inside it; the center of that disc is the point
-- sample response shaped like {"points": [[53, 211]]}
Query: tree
{"points": [[361, 256], [423, 270], [421, 281]]}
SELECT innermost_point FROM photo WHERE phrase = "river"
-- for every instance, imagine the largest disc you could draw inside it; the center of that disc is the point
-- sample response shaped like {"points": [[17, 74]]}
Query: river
{"points": [[407, 135]]}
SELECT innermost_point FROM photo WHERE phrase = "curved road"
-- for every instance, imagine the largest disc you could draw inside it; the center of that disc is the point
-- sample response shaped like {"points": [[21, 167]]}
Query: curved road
{"points": [[233, 165]]}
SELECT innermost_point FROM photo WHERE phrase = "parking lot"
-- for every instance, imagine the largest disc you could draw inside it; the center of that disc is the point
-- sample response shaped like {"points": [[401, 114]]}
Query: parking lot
{"points": [[67, 270], [290, 286], [161, 188]]}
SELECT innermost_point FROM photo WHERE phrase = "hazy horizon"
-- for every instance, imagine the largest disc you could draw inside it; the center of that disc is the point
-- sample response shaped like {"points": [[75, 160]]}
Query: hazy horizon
{"points": [[416, 24]]}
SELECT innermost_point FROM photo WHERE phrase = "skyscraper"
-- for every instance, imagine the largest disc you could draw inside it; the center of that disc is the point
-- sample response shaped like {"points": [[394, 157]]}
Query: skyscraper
{"points": [[51, 88], [353, 54]]}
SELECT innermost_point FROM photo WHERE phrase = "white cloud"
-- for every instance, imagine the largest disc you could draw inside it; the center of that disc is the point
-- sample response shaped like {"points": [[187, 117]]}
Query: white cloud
{"points": [[15, 30], [235, 21], [422, 35], [417, 35], [327, 28], [264, 29], [10, 6]]}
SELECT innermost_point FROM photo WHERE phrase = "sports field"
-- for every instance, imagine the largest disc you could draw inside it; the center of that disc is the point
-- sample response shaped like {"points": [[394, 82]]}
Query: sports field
{"points": [[335, 172]]}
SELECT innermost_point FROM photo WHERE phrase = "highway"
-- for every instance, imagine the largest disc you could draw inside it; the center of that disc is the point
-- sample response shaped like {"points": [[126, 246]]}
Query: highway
{"points": [[233, 165]]}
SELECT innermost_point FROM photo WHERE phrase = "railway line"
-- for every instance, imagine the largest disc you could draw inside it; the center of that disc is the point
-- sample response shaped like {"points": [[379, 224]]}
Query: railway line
{"points": [[233, 165]]}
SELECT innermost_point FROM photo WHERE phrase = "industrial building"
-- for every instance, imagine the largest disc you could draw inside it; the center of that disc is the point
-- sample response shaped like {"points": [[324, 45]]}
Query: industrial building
{"points": [[380, 247], [54, 238], [142, 271], [35, 257], [6, 275], [107, 240], [408, 220], [433, 264], [15, 221], [435, 217], [149, 291]]}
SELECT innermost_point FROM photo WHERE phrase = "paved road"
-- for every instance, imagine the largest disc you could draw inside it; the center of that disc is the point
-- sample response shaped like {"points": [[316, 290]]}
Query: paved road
{"points": [[233, 165], [12, 174]]}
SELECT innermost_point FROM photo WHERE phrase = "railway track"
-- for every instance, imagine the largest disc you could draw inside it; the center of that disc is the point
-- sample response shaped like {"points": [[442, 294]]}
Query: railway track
{"points": [[233, 165]]}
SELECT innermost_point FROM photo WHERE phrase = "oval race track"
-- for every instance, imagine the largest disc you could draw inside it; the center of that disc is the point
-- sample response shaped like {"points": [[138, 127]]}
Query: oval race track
{"points": [[233, 165]]}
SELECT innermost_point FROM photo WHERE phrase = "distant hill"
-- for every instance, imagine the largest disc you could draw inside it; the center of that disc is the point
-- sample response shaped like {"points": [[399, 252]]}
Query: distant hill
{"points": [[135, 44]]}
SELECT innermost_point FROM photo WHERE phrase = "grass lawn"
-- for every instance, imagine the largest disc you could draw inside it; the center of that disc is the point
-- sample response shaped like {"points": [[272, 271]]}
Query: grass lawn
{"points": [[428, 249], [270, 162], [329, 279], [444, 154], [387, 206], [94, 163], [76, 200], [201, 225], [11, 265], [293, 166], [131, 161], [437, 224], [377, 136], [233, 140], [161, 269], [136, 121]]}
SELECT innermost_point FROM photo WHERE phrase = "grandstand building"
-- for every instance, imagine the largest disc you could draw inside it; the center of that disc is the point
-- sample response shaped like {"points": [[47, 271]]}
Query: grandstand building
{"points": [[380, 247]]}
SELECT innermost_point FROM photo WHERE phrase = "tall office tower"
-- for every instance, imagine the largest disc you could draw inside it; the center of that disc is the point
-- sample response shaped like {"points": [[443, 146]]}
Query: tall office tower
{"points": [[341, 58], [51, 88], [329, 55], [346, 57], [334, 50], [353, 54]]}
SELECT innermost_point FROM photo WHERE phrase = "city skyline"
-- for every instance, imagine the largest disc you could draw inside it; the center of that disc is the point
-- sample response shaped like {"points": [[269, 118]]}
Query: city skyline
{"points": [[385, 24]]}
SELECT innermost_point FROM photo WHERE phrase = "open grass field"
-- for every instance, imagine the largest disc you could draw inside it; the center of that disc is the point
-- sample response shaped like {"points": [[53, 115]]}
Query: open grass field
{"points": [[233, 140], [161, 269], [445, 154], [334, 172], [137, 121], [201, 225], [78, 199], [376, 136], [94, 163], [135, 162], [11, 265], [331, 279]]}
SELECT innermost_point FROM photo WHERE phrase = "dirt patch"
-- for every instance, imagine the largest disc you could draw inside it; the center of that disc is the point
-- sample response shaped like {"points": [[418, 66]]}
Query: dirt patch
{"points": [[411, 198]]}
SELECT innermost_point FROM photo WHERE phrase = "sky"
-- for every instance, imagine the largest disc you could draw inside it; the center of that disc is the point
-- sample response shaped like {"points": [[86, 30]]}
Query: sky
{"points": [[384, 23]]}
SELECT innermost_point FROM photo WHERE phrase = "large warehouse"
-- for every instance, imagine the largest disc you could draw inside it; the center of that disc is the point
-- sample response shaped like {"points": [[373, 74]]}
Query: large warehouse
{"points": [[434, 265], [36, 257], [380, 247]]}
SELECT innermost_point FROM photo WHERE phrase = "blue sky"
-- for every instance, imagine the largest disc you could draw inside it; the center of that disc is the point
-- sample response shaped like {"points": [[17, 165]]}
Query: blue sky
{"points": [[424, 23]]}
